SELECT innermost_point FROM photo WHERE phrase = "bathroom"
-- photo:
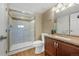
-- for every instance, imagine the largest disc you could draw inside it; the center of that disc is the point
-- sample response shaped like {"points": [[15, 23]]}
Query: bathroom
{"points": [[27, 29], [16, 14]]}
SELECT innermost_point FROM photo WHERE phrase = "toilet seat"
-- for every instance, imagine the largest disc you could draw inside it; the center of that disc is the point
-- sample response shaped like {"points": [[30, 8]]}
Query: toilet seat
{"points": [[37, 43], [39, 46]]}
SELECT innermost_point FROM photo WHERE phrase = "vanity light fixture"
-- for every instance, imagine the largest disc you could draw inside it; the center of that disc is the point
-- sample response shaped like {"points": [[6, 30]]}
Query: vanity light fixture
{"points": [[59, 5], [62, 6]]}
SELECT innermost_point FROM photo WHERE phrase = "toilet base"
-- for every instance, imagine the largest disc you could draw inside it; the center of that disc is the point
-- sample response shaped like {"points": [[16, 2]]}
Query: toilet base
{"points": [[39, 47]]}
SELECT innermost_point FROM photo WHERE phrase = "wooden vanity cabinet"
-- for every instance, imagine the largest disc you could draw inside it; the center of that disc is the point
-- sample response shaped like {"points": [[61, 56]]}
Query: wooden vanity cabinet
{"points": [[69, 50], [59, 48], [49, 47]]}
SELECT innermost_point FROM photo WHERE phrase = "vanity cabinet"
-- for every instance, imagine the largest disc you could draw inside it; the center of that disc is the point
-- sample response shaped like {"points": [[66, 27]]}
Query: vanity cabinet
{"points": [[49, 47], [69, 50], [54, 47]]}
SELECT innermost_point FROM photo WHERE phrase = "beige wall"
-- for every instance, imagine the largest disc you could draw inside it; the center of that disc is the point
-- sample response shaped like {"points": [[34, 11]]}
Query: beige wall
{"points": [[38, 26], [47, 21], [44, 23]]}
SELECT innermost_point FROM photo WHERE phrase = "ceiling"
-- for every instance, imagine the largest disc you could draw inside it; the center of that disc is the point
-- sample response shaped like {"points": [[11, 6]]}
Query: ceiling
{"points": [[34, 8]]}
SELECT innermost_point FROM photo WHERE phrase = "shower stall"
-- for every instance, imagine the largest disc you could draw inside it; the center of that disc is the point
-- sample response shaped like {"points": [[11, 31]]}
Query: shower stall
{"points": [[21, 29]]}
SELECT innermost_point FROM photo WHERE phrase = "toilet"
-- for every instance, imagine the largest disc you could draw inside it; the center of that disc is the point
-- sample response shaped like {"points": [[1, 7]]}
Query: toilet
{"points": [[39, 45]]}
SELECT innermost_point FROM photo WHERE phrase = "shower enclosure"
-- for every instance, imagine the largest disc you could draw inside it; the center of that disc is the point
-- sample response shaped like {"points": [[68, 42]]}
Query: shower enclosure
{"points": [[21, 29]]}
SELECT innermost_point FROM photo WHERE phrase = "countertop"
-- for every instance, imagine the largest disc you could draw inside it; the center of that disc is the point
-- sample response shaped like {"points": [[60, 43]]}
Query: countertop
{"points": [[69, 39]]}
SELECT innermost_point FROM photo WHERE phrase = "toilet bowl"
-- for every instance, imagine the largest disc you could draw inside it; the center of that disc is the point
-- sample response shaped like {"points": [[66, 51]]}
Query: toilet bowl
{"points": [[39, 45]]}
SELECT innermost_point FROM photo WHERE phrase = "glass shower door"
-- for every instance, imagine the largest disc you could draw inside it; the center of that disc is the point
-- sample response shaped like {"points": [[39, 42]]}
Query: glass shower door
{"points": [[21, 34]]}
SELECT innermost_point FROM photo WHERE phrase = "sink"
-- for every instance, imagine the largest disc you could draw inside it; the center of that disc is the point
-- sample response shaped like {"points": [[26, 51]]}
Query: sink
{"points": [[59, 36]]}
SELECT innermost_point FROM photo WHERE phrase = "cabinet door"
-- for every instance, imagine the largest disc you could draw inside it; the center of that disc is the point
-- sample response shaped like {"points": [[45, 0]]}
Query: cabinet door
{"points": [[69, 50], [59, 50], [49, 47]]}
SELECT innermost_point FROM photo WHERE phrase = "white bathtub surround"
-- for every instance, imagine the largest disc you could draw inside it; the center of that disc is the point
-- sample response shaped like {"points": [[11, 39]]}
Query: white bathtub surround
{"points": [[38, 45], [21, 49], [20, 46]]}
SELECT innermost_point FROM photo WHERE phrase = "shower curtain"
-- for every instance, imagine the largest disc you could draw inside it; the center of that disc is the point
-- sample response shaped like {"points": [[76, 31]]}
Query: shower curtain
{"points": [[21, 34]]}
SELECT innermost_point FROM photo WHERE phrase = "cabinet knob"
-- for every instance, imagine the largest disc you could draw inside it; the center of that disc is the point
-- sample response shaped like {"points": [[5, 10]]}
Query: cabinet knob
{"points": [[55, 44]]}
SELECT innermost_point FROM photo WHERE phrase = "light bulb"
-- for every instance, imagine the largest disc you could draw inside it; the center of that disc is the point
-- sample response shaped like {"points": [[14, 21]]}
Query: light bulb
{"points": [[54, 8], [59, 6], [71, 4], [63, 8], [57, 10]]}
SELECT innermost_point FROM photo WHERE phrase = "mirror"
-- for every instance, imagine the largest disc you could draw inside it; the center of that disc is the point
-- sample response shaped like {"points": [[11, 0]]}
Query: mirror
{"points": [[67, 21], [62, 26], [68, 24]]}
